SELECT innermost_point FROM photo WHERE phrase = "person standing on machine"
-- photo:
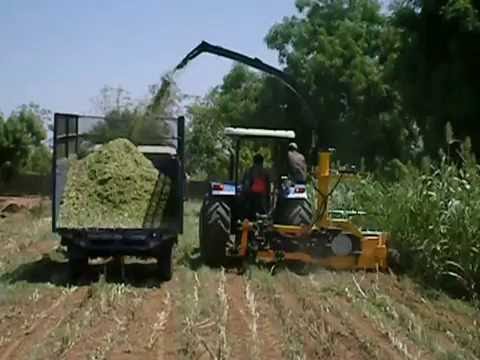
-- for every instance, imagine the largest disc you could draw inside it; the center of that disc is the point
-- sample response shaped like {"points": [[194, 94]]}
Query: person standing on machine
{"points": [[297, 166]]}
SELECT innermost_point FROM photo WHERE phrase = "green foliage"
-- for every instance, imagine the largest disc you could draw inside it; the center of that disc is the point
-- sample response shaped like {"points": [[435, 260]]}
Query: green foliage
{"points": [[381, 86], [3, 140], [341, 53], [434, 217], [39, 160], [134, 121], [118, 123], [20, 135], [237, 102], [207, 150], [437, 68], [463, 12]]}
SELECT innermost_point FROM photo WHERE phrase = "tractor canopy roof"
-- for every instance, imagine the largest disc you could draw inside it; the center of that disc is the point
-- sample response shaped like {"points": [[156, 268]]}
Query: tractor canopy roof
{"points": [[259, 133]]}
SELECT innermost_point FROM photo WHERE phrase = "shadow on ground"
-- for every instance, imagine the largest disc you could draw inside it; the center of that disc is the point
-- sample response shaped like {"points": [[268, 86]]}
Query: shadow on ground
{"points": [[50, 269], [194, 262], [53, 268]]}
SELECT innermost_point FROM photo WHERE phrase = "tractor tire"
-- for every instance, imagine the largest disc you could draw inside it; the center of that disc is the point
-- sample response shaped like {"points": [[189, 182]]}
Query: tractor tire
{"points": [[296, 212], [214, 228]]}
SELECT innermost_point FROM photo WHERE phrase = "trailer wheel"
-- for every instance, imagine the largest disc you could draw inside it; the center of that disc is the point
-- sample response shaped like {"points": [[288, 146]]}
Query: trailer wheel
{"points": [[201, 227], [215, 221], [165, 262], [296, 212], [77, 262]]}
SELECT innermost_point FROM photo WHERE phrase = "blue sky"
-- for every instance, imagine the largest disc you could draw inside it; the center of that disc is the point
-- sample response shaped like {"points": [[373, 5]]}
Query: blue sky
{"points": [[60, 53]]}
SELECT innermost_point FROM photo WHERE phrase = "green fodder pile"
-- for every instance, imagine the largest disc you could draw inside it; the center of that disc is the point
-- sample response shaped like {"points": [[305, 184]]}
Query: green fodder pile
{"points": [[433, 214], [114, 187]]}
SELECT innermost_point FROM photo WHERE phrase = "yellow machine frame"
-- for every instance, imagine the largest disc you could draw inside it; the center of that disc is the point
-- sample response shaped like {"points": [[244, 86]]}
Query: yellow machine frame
{"points": [[374, 246]]}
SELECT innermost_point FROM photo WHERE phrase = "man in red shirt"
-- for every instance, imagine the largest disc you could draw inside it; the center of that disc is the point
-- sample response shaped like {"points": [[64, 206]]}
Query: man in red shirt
{"points": [[257, 188]]}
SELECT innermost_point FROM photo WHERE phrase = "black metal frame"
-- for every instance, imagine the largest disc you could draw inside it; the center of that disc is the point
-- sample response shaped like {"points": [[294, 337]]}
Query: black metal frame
{"points": [[256, 63], [65, 139], [235, 154]]}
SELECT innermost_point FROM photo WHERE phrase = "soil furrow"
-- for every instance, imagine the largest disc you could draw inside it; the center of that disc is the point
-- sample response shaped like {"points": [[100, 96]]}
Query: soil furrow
{"points": [[46, 322], [134, 342], [312, 331], [199, 316], [166, 345], [239, 331], [325, 334], [104, 324], [269, 328], [371, 338], [445, 324], [145, 330]]}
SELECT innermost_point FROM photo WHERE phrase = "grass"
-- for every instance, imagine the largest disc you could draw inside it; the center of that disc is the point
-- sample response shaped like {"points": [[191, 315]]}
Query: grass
{"points": [[18, 232], [253, 324], [292, 334], [189, 241], [21, 292], [198, 312]]}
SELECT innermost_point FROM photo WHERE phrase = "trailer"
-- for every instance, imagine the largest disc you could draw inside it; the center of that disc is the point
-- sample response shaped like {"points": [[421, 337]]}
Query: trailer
{"points": [[72, 139]]}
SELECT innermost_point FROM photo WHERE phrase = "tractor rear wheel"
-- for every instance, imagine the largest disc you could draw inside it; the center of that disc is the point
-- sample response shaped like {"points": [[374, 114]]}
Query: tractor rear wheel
{"points": [[296, 212], [214, 228]]}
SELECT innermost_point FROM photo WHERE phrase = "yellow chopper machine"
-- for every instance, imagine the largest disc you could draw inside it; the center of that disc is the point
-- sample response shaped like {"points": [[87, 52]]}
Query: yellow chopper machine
{"points": [[330, 242], [334, 243]]}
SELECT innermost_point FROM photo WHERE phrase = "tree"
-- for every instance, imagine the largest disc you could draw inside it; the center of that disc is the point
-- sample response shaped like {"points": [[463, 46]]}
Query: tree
{"points": [[3, 139], [206, 149], [22, 132], [338, 51], [437, 69], [39, 160], [140, 123], [117, 123], [112, 99]]}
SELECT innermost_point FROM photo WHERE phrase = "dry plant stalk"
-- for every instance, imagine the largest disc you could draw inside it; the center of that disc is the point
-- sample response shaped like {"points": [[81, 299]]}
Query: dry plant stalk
{"points": [[223, 350], [159, 325], [252, 306]]}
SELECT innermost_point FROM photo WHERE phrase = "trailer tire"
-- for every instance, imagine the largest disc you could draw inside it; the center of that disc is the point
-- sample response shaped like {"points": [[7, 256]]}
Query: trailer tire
{"points": [[165, 262], [77, 262], [215, 222], [296, 212]]}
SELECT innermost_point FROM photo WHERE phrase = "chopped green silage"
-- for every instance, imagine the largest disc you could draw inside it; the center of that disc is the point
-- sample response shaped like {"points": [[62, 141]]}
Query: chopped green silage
{"points": [[114, 187]]}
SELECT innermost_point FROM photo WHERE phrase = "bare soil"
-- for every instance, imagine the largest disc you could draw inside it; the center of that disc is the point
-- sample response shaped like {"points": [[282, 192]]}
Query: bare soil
{"points": [[207, 313], [14, 204]]}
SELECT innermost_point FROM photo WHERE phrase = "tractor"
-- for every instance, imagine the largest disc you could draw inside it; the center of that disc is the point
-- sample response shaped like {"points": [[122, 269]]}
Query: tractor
{"points": [[290, 230], [226, 203]]}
